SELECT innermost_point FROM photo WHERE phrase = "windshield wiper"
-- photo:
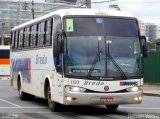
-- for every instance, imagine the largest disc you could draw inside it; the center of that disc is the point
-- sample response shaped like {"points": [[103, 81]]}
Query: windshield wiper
{"points": [[117, 66], [93, 64], [109, 56]]}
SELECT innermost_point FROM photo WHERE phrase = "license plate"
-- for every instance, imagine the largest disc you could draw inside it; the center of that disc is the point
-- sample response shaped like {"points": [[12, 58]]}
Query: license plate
{"points": [[106, 99]]}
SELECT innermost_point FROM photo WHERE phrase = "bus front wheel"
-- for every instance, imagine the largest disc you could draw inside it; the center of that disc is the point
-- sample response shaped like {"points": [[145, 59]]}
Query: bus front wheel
{"points": [[112, 108], [52, 105]]}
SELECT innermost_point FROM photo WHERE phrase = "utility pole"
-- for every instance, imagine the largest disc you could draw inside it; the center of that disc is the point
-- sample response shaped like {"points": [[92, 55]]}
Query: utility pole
{"points": [[88, 3], [32, 9]]}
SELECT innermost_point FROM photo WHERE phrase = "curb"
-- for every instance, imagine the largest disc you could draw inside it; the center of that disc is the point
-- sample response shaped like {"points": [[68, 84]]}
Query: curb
{"points": [[151, 94], [158, 84]]}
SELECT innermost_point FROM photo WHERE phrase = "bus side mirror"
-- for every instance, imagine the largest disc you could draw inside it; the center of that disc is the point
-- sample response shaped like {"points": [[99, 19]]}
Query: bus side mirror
{"points": [[144, 46]]}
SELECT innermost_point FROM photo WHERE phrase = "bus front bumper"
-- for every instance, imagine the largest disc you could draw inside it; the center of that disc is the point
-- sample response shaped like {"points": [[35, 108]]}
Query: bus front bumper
{"points": [[77, 98]]}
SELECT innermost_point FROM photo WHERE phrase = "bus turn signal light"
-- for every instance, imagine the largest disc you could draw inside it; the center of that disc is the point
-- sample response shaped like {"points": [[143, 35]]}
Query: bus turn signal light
{"points": [[68, 98]]}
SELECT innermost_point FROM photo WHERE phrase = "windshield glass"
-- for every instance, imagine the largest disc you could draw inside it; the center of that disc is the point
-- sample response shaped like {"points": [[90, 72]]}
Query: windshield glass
{"points": [[89, 40]]}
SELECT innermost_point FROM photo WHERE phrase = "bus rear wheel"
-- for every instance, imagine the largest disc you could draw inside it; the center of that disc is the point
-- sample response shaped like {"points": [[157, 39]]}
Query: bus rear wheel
{"points": [[22, 95], [112, 108], [52, 105]]}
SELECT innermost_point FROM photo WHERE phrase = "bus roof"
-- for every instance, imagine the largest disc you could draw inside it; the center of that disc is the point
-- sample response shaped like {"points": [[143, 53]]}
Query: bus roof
{"points": [[76, 11]]}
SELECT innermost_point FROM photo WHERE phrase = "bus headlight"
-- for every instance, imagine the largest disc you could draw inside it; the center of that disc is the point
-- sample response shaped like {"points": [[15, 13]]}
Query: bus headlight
{"points": [[75, 89], [135, 89]]}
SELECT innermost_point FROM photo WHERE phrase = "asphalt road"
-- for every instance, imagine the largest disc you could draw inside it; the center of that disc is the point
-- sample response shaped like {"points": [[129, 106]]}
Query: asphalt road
{"points": [[11, 107]]}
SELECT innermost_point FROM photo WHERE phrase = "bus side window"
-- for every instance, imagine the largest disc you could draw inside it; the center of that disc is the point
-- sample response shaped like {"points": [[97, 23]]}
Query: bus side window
{"points": [[13, 40], [36, 42], [16, 37], [23, 39], [29, 42], [26, 37], [48, 32], [20, 38], [45, 33], [41, 34], [33, 35]]}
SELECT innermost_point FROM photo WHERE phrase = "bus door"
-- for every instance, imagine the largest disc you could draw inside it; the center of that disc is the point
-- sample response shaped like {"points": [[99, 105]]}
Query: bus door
{"points": [[58, 55]]}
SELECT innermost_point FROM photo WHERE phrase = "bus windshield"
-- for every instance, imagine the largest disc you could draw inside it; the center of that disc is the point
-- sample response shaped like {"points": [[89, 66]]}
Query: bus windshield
{"points": [[105, 47]]}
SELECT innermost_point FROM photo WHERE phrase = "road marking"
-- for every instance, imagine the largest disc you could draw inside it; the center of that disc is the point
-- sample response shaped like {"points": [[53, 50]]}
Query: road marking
{"points": [[117, 116], [9, 103], [37, 116], [38, 107], [81, 115], [52, 115], [141, 108], [23, 116]]}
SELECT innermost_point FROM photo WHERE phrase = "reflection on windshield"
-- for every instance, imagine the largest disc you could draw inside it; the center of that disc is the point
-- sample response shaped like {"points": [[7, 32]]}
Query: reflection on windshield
{"points": [[80, 55], [83, 43]]}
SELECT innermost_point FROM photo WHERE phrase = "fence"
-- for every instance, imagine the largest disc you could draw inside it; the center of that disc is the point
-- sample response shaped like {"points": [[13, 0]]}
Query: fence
{"points": [[152, 68]]}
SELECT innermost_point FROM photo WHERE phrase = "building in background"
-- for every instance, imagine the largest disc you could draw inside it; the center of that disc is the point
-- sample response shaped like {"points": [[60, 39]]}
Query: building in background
{"points": [[152, 33], [15, 12], [62, 1], [150, 30], [84, 3], [158, 32], [142, 26]]}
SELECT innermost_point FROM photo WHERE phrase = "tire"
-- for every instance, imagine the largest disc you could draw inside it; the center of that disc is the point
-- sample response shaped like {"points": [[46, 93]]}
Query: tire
{"points": [[112, 108], [30, 97], [52, 105], [22, 95]]}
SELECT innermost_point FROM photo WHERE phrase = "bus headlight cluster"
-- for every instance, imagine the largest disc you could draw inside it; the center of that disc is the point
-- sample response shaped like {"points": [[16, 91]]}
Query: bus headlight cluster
{"points": [[75, 89], [135, 89]]}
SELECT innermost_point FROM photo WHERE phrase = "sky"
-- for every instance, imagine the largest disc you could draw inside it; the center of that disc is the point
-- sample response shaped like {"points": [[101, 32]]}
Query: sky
{"points": [[146, 10]]}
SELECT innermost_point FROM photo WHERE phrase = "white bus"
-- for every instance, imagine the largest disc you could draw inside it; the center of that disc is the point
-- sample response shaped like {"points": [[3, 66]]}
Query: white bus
{"points": [[4, 62], [79, 57]]}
